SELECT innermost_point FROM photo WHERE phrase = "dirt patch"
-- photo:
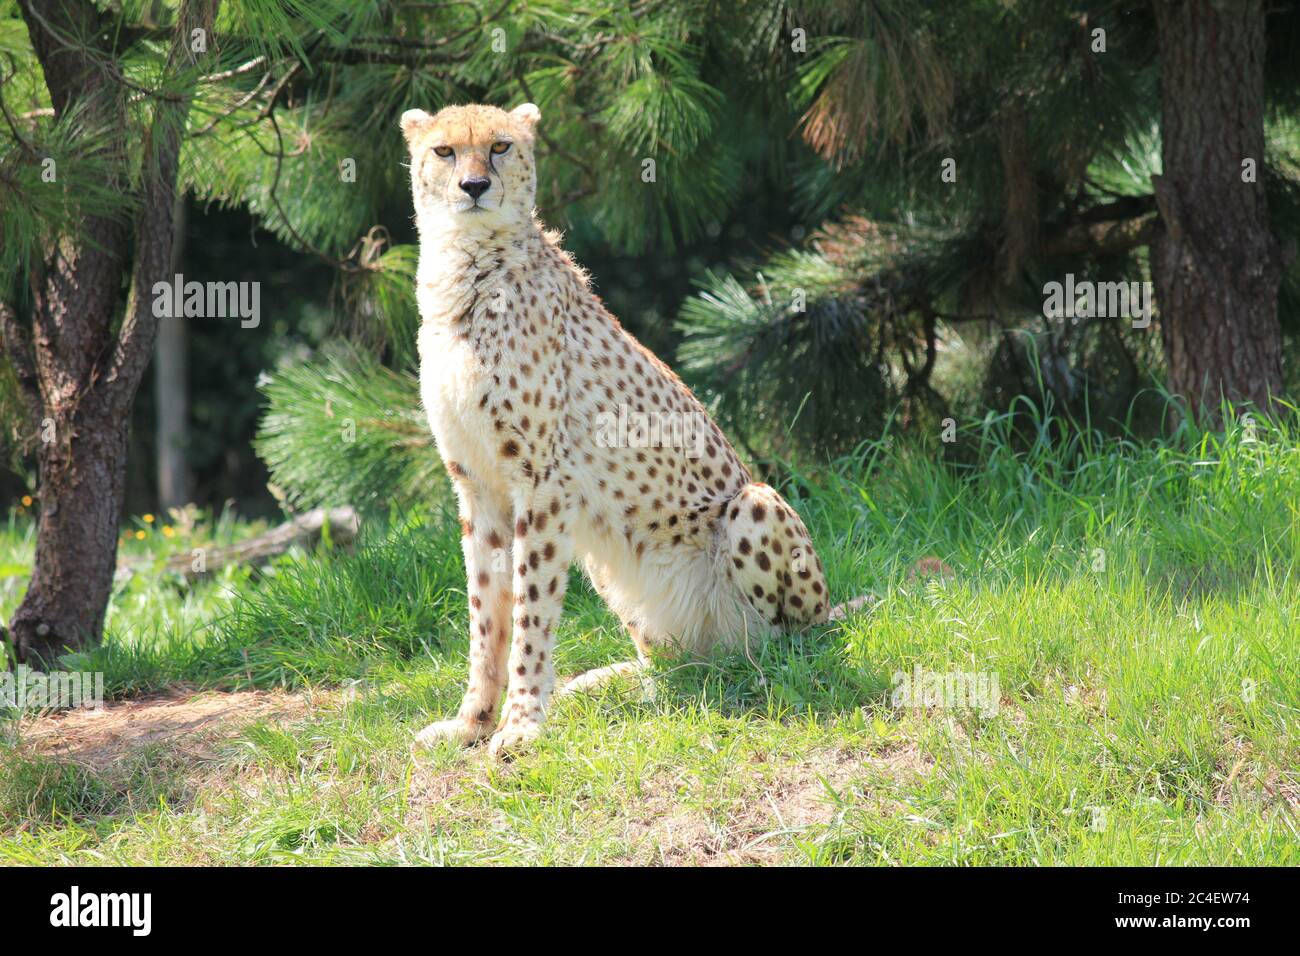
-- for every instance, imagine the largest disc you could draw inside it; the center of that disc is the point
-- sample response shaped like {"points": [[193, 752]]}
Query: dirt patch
{"points": [[770, 799], [1283, 789], [434, 788], [188, 723], [777, 801], [1242, 776]]}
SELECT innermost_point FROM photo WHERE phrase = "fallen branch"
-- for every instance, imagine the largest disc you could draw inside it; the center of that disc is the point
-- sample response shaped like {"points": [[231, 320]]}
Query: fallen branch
{"points": [[304, 531]]}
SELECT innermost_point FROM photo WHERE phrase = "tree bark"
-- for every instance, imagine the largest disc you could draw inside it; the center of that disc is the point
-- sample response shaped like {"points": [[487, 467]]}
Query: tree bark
{"points": [[1215, 262], [83, 378], [172, 392], [82, 474], [74, 296], [1020, 217]]}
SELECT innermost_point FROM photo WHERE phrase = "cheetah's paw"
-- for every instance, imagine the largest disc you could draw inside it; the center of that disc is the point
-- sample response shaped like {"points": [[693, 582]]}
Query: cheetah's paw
{"points": [[457, 730], [514, 738]]}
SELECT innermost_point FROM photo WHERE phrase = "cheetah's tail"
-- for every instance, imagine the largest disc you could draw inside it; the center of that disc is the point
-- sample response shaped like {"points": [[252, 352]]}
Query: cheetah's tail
{"points": [[927, 567]]}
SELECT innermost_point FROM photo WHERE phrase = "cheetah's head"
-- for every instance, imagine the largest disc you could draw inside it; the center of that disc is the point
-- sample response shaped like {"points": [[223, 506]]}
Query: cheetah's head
{"points": [[472, 166]]}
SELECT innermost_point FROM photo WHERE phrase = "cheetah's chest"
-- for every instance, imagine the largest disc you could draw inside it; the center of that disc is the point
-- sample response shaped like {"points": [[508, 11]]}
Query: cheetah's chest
{"points": [[491, 381]]}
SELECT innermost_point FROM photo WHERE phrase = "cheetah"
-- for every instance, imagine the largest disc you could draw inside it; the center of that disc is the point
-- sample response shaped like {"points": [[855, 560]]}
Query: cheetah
{"points": [[565, 438]]}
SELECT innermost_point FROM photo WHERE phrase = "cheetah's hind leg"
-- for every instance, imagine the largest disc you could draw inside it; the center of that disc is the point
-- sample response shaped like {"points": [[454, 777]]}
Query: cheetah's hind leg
{"points": [[771, 561], [599, 678]]}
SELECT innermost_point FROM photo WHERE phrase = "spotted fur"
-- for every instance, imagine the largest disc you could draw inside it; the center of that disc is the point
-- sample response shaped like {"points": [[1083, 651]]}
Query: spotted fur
{"points": [[528, 381]]}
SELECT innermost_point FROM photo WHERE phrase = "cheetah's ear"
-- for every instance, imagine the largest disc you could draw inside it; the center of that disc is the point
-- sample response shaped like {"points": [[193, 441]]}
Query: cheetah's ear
{"points": [[412, 120], [528, 113]]}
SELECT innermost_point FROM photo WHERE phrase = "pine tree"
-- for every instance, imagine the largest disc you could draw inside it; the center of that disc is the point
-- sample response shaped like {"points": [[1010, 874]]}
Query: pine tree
{"points": [[951, 157], [87, 210], [105, 111], [1026, 149], [288, 108]]}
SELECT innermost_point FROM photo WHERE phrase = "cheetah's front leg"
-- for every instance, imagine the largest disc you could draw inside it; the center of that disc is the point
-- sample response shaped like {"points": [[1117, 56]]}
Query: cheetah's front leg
{"points": [[543, 548], [485, 530]]}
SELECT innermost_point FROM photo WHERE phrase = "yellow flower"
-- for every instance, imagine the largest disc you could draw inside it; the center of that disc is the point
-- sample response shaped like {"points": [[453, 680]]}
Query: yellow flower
{"points": [[27, 501], [139, 535], [148, 519], [168, 531]]}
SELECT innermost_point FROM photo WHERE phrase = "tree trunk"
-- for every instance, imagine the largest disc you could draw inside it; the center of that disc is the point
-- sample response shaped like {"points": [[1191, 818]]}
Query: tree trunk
{"points": [[74, 296], [172, 392], [1215, 262], [82, 479], [1020, 216], [79, 379]]}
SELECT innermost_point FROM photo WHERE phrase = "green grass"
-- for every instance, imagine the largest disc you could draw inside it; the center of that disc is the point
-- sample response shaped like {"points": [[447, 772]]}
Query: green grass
{"points": [[1136, 602]]}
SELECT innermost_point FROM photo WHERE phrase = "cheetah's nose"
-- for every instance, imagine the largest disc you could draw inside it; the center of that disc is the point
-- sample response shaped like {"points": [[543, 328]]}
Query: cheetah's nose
{"points": [[475, 187]]}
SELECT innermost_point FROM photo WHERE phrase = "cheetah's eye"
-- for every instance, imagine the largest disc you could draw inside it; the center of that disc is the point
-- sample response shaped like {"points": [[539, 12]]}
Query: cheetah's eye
{"points": [[443, 151], [500, 148]]}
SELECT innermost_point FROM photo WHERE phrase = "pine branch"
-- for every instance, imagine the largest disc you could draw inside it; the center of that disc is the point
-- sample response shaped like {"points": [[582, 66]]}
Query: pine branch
{"points": [[345, 429], [343, 265], [588, 173], [238, 105], [18, 346], [27, 146], [246, 67]]}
